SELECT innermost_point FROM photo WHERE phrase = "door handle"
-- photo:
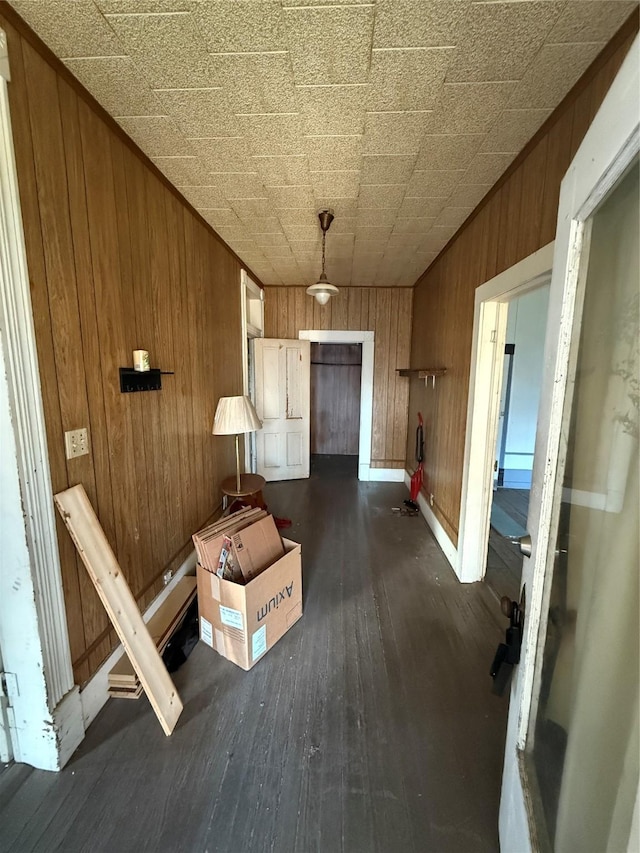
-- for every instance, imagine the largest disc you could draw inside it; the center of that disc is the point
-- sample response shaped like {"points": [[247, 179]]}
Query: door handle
{"points": [[524, 543], [508, 653]]}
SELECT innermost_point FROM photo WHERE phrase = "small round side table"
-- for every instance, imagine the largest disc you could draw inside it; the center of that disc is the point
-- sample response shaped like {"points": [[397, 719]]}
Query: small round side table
{"points": [[251, 486]]}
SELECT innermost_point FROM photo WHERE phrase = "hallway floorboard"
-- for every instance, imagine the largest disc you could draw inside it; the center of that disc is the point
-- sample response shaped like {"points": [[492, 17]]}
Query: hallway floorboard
{"points": [[369, 727]]}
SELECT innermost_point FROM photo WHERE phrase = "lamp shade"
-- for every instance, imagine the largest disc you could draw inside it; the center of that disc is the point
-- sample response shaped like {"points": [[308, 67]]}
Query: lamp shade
{"points": [[235, 415]]}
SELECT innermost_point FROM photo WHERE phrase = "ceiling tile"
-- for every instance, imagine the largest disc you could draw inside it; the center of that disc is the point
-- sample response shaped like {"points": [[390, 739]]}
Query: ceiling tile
{"points": [[372, 233], [200, 112], [166, 48], [274, 238], [181, 171], [204, 196], [333, 152], [117, 85], [283, 170], [239, 184], [590, 21], [230, 233], [343, 208], [433, 184], [332, 110], [470, 107], [257, 82], [513, 129], [275, 133], [297, 196], [224, 153], [407, 79], [305, 238], [387, 169], [554, 71], [340, 184], [394, 132], [293, 218], [499, 40], [380, 217], [70, 28], [344, 225], [330, 44], [421, 207], [248, 209], [126, 7], [486, 168], [268, 225], [415, 23], [252, 25], [158, 136], [452, 151], [412, 225], [381, 196], [282, 253]]}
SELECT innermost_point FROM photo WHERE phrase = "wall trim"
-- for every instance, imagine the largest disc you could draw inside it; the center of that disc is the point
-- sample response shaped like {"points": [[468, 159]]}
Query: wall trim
{"points": [[47, 669], [95, 693], [367, 339], [442, 538], [386, 475]]}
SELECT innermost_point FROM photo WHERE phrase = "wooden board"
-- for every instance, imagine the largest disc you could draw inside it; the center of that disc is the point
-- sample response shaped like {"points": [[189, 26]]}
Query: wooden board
{"points": [[161, 626], [102, 566]]}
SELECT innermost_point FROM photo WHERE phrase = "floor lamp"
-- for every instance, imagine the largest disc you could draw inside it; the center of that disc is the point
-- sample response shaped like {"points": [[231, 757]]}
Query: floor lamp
{"points": [[235, 415]]}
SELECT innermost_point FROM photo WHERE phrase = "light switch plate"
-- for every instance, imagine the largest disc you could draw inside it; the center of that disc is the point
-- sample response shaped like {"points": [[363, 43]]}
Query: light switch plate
{"points": [[76, 443]]}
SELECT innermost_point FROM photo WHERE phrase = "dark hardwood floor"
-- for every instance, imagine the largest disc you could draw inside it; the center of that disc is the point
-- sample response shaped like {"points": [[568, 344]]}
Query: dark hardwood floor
{"points": [[504, 561], [370, 726]]}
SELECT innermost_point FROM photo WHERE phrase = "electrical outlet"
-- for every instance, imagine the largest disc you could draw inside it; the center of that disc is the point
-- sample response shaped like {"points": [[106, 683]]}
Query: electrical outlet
{"points": [[76, 443], [166, 577], [431, 499]]}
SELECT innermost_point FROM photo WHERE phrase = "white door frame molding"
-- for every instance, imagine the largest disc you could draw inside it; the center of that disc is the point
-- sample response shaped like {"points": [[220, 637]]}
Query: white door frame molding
{"points": [[485, 379], [249, 290], [45, 703], [367, 339]]}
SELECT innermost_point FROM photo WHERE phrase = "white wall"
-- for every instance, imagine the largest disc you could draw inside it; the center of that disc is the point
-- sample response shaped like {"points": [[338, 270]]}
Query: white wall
{"points": [[526, 325]]}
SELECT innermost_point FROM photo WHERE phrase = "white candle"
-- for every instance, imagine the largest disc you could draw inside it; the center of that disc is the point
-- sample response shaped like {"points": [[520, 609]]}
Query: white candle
{"points": [[140, 360]]}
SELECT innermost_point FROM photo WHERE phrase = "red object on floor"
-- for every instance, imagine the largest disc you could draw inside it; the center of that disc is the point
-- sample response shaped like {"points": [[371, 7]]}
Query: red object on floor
{"points": [[281, 523], [416, 479]]}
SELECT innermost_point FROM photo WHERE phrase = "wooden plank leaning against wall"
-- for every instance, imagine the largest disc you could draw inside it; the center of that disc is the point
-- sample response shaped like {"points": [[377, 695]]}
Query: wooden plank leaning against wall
{"points": [[383, 310], [117, 262], [516, 218]]}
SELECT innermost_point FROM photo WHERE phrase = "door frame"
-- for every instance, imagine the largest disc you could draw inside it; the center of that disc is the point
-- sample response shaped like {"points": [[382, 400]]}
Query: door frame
{"points": [[608, 148], [249, 291], [367, 339], [483, 407], [39, 674]]}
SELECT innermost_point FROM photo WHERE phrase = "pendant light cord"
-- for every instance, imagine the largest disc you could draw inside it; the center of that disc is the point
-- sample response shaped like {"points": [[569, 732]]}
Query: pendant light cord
{"points": [[324, 237]]}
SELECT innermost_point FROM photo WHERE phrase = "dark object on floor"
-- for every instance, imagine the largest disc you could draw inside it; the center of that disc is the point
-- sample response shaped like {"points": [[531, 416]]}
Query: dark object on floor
{"points": [[183, 641], [411, 504], [404, 510]]}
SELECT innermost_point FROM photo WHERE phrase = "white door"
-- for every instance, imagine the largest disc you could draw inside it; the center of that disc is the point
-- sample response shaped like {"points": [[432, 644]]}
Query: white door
{"points": [[282, 369], [570, 780]]}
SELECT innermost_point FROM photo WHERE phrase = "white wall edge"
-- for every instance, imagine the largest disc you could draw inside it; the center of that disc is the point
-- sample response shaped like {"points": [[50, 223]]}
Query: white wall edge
{"points": [[386, 475], [95, 693], [440, 534], [324, 336]]}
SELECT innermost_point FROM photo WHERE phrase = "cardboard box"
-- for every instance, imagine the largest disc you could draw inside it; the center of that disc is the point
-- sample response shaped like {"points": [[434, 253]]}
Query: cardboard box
{"points": [[243, 622], [256, 547]]}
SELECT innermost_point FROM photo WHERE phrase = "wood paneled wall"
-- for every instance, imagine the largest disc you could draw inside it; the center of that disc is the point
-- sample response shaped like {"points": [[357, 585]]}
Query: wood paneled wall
{"points": [[383, 310], [117, 262], [515, 219]]}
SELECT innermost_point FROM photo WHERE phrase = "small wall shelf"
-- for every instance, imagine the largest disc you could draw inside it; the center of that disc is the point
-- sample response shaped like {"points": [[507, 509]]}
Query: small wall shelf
{"points": [[145, 380], [425, 373]]}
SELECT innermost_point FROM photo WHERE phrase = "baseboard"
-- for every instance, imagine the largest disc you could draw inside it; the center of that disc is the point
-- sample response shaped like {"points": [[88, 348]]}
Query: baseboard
{"points": [[448, 548], [96, 692], [386, 475]]}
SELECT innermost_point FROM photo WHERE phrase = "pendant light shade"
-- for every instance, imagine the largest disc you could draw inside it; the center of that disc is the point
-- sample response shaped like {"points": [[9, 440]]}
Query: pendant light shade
{"points": [[323, 290]]}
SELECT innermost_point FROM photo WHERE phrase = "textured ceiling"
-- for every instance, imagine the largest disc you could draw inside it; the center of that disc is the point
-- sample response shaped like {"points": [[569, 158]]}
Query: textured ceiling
{"points": [[398, 114]]}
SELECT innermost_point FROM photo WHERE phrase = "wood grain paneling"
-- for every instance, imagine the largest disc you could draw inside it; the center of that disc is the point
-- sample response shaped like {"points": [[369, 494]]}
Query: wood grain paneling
{"points": [[117, 262], [335, 398], [515, 219], [386, 311]]}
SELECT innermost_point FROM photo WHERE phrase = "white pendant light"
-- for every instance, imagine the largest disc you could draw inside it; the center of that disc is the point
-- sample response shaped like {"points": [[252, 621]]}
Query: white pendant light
{"points": [[323, 290]]}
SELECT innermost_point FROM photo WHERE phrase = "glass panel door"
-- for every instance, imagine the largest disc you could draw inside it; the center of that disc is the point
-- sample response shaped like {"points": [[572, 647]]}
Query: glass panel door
{"points": [[582, 749]]}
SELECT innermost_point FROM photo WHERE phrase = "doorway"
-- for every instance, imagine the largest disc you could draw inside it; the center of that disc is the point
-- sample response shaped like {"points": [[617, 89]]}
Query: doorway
{"points": [[522, 369], [336, 371]]}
